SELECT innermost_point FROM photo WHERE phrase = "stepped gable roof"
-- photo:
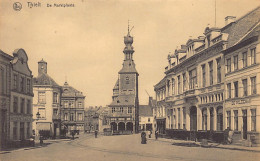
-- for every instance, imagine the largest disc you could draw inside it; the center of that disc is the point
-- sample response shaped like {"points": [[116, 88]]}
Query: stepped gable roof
{"points": [[69, 91], [44, 79], [145, 110], [128, 67], [238, 29], [116, 85], [124, 100]]}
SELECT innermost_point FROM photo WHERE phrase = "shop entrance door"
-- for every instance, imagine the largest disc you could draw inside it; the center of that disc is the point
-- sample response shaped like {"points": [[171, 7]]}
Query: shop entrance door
{"points": [[244, 124]]}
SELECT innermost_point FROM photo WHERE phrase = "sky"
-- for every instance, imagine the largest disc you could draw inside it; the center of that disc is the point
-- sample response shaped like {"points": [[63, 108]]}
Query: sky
{"points": [[84, 44]]}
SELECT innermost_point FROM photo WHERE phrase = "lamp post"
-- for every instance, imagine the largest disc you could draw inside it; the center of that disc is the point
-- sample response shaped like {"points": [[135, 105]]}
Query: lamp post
{"points": [[37, 118]]}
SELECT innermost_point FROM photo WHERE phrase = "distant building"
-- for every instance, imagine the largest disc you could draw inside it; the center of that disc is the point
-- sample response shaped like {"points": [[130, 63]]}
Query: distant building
{"points": [[146, 118], [103, 119], [16, 98], [72, 111], [96, 119], [91, 119], [46, 102], [124, 108]]}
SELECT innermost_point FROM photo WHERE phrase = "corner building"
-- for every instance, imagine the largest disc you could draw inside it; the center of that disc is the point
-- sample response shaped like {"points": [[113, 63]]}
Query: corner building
{"points": [[16, 98], [191, 96], [124, 109], [242, 73], [46, 102]]}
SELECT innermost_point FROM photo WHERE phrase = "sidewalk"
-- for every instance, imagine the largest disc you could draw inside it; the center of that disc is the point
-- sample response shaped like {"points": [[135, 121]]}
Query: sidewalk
{"points": [[210, 145], [37, 145]]}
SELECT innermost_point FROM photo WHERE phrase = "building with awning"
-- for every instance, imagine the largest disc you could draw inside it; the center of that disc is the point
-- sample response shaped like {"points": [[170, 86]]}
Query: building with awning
{"points": [[46, 103]]}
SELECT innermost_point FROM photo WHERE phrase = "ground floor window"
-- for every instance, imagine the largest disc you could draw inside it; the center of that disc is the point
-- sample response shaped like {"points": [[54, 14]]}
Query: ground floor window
{"points": [[22, 130], [236, 120], [15, 131], [179, 118], [204, 119], [228, 119], [253, 119], [220, 118], [28, 130], [184, 118]]}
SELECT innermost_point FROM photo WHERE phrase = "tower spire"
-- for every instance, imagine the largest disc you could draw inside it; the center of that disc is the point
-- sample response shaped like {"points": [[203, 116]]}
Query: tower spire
{"points": [[129, 49]]}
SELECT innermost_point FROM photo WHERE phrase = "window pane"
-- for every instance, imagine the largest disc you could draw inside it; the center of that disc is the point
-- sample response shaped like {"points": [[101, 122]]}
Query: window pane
{"points": [[253, 85], [244, 59], [253, 56], [244, 87], [235, 89]]}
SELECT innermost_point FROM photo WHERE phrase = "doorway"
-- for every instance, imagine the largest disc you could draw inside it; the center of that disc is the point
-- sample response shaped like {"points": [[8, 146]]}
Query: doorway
{"points": [[244, 124], [193, 118]]}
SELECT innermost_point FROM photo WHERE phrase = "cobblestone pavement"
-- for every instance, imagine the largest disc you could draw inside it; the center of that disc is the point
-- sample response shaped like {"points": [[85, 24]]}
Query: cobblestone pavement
{"points": [[126, 148]]}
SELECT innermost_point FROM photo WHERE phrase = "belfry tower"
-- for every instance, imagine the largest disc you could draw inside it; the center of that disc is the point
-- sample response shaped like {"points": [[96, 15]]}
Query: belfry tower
{"points": [[124, 109]]}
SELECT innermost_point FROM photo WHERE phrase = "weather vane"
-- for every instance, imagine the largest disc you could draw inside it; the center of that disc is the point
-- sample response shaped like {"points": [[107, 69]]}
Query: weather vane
{"points": [[128, 27]]}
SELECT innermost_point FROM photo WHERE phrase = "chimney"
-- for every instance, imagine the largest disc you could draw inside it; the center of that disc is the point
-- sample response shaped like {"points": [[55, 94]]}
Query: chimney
{"points": [[42, 67], [229, 19]]}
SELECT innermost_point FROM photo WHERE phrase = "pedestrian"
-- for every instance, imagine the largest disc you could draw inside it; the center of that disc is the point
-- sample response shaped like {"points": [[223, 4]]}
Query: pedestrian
{"points": [[41, 140], [72, 133], [96, 133], [143, 138], [156, 134], [230, 135], [150, 133], [226, 131]]}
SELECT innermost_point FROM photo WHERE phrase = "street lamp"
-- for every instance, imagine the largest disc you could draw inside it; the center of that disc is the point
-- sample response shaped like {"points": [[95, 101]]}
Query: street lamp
{"points": [[37, 118]]}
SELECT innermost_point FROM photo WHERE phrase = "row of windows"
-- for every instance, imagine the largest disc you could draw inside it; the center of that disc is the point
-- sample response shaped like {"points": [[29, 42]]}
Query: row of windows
{"points": [[22, 84], [22, 106], [236, 89], [244, 115], [22, 129], [71, 117], [121, 109], [245, 59], [192, 81], [212, 98], [211, 118], [42, 97], [70, 104], [175, 123]]}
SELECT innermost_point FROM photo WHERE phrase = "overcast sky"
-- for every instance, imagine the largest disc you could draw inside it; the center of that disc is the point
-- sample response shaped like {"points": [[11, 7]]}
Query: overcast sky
{"points": [[85, 43]]}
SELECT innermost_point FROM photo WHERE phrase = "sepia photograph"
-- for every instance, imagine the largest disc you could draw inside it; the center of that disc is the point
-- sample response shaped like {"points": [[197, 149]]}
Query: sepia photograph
{"points": [[129, 80]]}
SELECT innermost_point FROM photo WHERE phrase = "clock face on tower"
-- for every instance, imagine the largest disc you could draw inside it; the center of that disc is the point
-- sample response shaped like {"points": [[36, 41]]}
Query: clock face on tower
{"points": [[42, 67]]}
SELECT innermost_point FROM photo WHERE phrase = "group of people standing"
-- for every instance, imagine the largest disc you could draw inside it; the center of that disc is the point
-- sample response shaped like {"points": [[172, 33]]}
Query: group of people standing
{"points": [[143, 136]]}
